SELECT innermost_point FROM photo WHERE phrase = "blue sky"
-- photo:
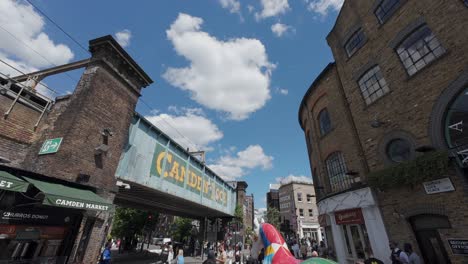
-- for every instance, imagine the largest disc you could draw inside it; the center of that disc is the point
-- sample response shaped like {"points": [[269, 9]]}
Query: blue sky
{"points": [[229, 75]]}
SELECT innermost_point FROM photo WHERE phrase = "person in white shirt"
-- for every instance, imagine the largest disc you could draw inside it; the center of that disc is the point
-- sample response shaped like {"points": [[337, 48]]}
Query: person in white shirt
{"points": [[413, 258]]}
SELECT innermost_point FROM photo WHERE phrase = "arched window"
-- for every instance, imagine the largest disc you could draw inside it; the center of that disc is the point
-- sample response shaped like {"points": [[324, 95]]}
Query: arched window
{"points": [[324, 122], [373, 85], [386, 8], [355, 42], [336, 169], [419, 49]]}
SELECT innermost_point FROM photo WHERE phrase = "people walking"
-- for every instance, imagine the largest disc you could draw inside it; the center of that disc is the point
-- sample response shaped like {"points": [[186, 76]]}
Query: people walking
{"points": [[180, 257], [230, 255], [413, 258], [261, 256], [222, 256], [322, 250], [295, 249], [211, 259], [170, 255], [304, 251], [397, 256], [371, 259], [106, 254]]}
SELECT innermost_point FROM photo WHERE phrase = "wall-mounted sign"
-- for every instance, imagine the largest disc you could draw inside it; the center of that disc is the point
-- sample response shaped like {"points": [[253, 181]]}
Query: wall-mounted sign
{"points": [[438, 186], [39, 216], [50, 146], [458, 246], [348, 217]]}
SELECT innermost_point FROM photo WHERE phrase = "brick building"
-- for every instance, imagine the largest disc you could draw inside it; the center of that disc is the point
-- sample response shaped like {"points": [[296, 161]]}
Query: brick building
{"points": [[385, 130], [298, 211], [61, 209], [272, 197]]}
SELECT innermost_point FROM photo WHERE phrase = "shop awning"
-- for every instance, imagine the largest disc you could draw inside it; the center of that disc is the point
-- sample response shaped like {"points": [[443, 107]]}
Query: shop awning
{"points": [[64, 196], [12, 183]]}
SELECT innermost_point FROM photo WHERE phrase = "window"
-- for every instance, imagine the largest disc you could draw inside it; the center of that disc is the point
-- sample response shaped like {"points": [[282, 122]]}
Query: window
{"points": [[301, 212], [336, 169], [419, 49], [299, 197], [466, 2], [373, 85], [311, 213], [399, 150], [385, 9], [354, 42], [309, 198], [324, 122]]}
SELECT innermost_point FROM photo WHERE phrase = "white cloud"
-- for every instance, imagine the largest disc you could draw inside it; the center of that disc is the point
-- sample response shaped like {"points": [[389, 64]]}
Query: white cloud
{"points": [[123, 37], [232, 5], [230, 76], [21, 20], [291, 178], [232, 168], [324, 6], [188, 127], [283, 91], [250, 8], [272, 8], [280, 29]]}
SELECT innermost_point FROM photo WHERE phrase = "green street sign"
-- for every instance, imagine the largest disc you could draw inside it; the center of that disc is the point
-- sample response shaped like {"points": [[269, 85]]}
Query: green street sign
{"points": [[50, 146]]}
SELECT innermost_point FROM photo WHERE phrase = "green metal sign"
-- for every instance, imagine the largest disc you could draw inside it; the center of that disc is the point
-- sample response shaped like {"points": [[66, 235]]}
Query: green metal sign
{"points": [[50, 146]]}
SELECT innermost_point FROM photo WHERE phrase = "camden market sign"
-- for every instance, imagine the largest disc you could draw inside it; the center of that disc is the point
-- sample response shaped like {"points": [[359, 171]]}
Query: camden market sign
{"points": [[12, 183]]}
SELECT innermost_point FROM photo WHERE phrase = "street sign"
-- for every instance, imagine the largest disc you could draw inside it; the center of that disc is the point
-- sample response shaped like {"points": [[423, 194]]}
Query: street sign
{"points": [[438, 186], [50, 146], [459, 246]]}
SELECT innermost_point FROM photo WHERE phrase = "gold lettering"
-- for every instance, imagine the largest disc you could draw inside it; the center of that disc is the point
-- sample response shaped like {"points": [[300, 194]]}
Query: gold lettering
{"points": [[193, 180], [182, 174], [169, 161], [206, 186], [158, 162], [199, 183], [175, 170]]}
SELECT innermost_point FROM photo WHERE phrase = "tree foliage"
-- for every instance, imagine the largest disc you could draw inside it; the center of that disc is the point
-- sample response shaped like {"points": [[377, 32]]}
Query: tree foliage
{"points": [[129, 222], [273, 217], [182, 228], [239, 214]]}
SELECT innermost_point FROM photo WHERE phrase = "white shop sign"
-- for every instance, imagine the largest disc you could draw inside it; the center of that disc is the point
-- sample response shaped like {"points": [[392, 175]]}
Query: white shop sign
{"points": [[438, 186]]}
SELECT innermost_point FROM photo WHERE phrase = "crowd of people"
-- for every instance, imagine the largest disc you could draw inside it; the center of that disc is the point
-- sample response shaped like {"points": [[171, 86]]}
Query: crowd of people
{"points": [[308, 247]]}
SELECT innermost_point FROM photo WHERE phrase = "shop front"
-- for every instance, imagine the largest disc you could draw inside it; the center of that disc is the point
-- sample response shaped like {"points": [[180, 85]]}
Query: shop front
{"points": [[40, 220], [353, 224]]}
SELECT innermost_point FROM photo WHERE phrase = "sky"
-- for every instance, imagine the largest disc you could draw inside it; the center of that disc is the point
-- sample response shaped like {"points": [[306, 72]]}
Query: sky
{"points": [[229, 75]]}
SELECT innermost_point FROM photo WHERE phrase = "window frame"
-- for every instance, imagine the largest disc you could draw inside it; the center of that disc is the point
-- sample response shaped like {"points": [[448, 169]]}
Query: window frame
{"points": [[299, 197], [301, 212], [359, 32], [366, 92], [389, 14], [411, 41], [311, 212], [324, 131], [339, 167]]}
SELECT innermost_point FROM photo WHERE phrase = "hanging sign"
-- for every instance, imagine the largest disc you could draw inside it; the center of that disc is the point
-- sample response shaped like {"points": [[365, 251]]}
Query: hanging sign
{"points": [[348, 217], [438, 186], [50, 146], [458, 246]]}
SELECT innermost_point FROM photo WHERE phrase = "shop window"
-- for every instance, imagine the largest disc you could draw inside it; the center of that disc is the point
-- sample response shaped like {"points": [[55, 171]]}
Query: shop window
{"points": [[386, 9], [301, 212], [399, 150], [324, 122], [311, 212], [355, 42], [336, 169], [373, 85], [299, 197], [419, 49]]}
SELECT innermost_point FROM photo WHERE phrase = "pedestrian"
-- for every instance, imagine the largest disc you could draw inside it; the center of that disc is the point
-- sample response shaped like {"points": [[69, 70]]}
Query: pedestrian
{"points": [[397, 255], [222, 256], [211, 259], [413, 258], [322, 250], [304, 251], [371, 259], [295, 249], [230, 255], [180, 257], [106, 254], [170, 255], [238, 255], [261, 256]]}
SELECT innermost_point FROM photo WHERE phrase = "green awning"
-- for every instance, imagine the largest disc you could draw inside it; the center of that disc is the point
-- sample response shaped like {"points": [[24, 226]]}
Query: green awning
{"points": [[12, 183], [64, 196]]}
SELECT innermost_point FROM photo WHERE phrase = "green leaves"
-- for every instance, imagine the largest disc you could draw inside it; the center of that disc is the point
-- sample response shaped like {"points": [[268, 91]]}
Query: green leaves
{"points": [[129, 222], [430, 166], [273, 217]]}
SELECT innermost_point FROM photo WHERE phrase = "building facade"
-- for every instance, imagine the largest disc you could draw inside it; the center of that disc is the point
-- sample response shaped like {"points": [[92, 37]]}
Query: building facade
{"points": [[298, 211], [272, 197], [61, 156], [384, 127]]}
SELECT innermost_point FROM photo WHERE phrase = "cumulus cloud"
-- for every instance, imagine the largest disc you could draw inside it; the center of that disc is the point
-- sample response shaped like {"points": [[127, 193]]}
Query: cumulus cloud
{"points": [[20, 20], [280, 29], [232, 168], [232, 5], [272, 8], [322, 7], [123, 37], [293, 178], [230, 76], [188, 127]]}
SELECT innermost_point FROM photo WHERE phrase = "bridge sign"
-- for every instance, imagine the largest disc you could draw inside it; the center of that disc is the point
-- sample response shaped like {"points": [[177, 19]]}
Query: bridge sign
{"points": [[50, 146]]}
